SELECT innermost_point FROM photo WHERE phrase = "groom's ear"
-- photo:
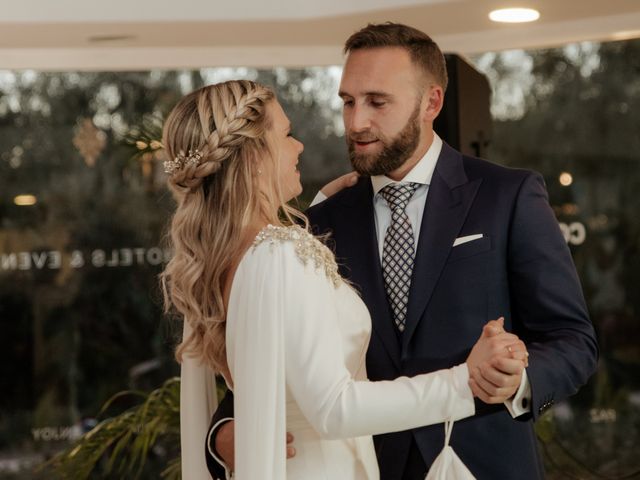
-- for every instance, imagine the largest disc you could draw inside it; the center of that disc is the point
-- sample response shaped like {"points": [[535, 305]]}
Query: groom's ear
{"points": [[432, 102]]}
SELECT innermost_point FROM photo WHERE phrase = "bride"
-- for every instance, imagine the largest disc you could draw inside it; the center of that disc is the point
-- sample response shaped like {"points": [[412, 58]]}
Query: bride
{"points": [[264, 305]]}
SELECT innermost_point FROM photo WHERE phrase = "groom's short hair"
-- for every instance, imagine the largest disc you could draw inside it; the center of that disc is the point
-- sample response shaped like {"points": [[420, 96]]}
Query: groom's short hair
{"points": [[424, 52]]}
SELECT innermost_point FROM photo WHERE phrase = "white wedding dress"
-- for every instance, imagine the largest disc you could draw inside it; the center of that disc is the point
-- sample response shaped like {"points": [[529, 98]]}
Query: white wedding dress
{"points": [[297, 336]]}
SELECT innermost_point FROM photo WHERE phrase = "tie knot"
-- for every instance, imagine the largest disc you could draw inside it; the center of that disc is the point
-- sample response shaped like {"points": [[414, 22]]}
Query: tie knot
{"points": [[398, 195]]}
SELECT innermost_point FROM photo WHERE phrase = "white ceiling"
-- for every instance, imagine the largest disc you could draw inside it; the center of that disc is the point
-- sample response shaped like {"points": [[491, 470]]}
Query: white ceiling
{"points": [[194, 10], [143, 34]]}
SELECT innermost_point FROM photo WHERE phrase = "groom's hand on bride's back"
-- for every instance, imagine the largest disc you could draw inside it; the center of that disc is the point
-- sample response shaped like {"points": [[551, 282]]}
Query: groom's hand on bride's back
{"points": [[291, 451], [224, 444]]}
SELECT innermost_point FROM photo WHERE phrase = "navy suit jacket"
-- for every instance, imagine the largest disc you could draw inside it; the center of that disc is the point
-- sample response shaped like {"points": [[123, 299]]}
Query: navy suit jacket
{"points": [[520, 269]]}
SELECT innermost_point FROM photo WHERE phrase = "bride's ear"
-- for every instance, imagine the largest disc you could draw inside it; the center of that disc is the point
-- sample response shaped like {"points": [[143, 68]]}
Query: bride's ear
{"points": [[262, 162], [258, 167]]}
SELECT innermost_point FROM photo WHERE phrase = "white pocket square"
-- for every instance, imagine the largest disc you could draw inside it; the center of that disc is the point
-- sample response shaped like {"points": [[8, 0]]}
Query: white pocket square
{"points": [[468, 238]]}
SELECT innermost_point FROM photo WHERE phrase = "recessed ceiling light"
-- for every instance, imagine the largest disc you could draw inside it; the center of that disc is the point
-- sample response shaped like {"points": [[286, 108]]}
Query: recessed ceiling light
{"points": [[25, 200], [514, 15], [626, 35]]}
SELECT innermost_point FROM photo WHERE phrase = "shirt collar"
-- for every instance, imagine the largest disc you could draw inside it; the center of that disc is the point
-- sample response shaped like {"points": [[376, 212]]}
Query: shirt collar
{"points": [[421, 173]]}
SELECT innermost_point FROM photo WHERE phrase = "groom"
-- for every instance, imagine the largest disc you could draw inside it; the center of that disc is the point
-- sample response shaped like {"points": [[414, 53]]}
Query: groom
{"points": [[437, 243]]}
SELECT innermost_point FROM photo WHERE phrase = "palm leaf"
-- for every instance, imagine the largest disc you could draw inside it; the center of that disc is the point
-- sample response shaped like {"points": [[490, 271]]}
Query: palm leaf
{"points": [[126, 439]]}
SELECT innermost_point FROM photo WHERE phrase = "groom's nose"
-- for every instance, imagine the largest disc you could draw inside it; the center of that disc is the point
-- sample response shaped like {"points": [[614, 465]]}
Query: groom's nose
{"points": [[357, 119]]}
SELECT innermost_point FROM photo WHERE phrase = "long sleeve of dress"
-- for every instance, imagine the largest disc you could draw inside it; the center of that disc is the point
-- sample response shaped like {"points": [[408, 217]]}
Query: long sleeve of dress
{"points": [[198, 400], [283, 332]]}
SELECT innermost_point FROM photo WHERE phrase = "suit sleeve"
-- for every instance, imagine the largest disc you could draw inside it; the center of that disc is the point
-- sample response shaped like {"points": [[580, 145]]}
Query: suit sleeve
{"points": [[547, 304], [222, 413]]}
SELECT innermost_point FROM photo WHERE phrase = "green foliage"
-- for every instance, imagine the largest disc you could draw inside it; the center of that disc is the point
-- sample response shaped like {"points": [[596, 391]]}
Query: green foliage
{"points": [[127, 439], [145, 138]]}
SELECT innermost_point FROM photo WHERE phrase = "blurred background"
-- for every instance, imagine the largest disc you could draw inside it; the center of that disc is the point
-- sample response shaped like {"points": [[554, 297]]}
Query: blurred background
{"points": [[84, 87]]}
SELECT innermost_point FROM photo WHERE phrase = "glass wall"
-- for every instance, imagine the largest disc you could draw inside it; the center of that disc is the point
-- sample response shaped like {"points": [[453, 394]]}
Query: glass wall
{"points": [[573, 114], [83, 210]]}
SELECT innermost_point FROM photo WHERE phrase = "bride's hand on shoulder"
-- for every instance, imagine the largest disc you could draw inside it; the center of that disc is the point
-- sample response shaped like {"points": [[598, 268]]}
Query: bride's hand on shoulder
{"points": [[340, 183]]}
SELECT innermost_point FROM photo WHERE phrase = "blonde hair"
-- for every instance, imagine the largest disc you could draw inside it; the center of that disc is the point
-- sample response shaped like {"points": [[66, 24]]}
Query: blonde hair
{"points": [[217, 199]]}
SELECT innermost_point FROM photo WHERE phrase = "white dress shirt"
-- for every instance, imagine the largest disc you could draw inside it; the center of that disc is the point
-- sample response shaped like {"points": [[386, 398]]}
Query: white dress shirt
{"points": [[421, 174]]}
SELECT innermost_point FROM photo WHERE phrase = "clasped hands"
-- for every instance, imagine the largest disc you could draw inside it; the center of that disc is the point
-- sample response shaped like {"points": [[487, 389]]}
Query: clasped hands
{"points": [[496, 363]]}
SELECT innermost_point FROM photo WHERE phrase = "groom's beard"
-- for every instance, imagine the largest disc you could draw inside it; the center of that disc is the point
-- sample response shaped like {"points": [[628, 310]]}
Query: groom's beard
{"points": [[394, 151]]}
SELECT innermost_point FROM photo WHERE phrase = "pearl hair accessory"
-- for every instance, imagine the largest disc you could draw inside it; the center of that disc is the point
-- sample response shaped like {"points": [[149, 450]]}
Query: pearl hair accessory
{"points": [[193, 158]]}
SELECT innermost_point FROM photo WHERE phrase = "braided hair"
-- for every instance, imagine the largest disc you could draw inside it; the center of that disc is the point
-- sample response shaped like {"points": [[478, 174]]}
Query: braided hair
{"points": [[218, 194]]}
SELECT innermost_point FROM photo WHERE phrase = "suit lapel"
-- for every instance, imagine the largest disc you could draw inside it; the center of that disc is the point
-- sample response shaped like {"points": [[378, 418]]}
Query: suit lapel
{"points": [[356, 241], [448, 201]]}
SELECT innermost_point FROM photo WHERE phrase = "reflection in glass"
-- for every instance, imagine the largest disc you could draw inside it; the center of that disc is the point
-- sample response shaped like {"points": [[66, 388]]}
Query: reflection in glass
{"points": [[79, 300]]}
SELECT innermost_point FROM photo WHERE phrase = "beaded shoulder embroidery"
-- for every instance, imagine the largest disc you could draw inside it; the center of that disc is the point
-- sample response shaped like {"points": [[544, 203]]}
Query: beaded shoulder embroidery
{"points": [[308, 248]]}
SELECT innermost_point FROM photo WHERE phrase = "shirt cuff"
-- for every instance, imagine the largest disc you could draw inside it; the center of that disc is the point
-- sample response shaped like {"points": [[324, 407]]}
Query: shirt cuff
{"points": [[212, 451], [319, 198], [520, 403]]}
